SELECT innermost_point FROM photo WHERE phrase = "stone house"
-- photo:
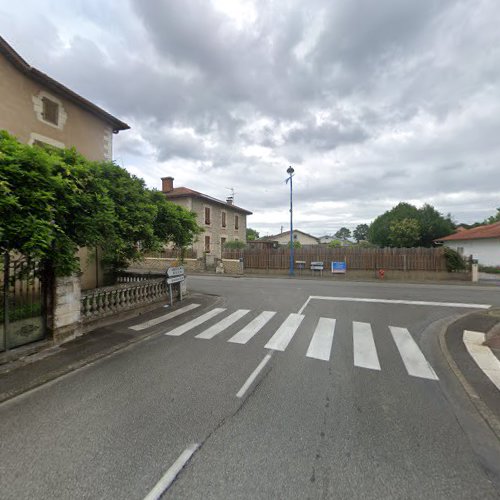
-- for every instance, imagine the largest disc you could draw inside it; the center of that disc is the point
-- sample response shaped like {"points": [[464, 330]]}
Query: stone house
{"points": [[221, 221], [284, 238], [39, 110], [482, 242]]}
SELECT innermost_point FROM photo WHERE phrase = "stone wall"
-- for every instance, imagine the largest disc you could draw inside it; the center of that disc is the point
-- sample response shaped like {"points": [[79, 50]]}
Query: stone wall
{"points": [[369, 275], [232, 266], [160, 264]]}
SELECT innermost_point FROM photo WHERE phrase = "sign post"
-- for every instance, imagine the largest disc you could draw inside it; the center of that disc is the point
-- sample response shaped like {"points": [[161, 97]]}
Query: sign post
{"points": [[175, 275]]}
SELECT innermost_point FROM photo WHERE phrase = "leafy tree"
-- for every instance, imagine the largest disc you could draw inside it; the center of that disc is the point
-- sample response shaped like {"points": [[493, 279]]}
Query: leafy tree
{"points": [[404, 233], [361, 232], [335, 244], [343, 233], [493, 218], [53, 201], [432, 225], [252, 234]]}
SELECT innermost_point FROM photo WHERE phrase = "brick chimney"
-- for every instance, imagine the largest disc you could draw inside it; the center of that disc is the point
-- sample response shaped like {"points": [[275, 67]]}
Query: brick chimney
{"points": [[167, 184]]}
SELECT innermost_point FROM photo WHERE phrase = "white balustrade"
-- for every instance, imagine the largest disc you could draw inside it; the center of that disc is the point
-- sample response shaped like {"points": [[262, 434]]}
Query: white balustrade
{"points": [[108, 300]]}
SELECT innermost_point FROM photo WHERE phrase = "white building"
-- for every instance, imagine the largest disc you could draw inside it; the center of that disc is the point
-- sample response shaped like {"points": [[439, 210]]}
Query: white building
{"points": [[482, 242]]}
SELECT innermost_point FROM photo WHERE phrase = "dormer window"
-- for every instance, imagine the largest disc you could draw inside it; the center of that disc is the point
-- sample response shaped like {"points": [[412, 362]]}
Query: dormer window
{"points": [[50, 111]]}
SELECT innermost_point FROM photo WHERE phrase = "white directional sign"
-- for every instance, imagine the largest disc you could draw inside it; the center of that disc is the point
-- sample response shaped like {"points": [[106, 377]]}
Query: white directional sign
{"points": [[175, 271], [175, 279]]}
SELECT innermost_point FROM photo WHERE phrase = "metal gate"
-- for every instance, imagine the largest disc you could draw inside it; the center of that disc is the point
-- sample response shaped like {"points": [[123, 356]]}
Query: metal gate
{"points": [[23, 306]]}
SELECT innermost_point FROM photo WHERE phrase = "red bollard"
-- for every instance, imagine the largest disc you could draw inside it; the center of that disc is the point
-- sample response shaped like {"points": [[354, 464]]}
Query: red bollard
{"points": [[381, 274]]}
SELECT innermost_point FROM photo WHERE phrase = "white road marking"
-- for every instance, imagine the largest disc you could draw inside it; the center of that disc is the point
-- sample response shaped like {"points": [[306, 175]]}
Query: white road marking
{"points": [[280, 340], [301, 310], [413, 358], [244, 335], [365, 352], [391, 301], [253, 376], [195, 322], [168, 478], [321, 343], [165, 317], [482, 355], [222, 325]]}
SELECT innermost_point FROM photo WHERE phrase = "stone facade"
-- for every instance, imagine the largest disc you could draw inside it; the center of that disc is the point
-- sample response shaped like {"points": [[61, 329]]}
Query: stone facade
{"points": [[221, 221]]}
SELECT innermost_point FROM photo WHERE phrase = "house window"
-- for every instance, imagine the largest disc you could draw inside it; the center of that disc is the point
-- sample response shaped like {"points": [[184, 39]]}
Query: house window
{"points": [[222, 243], [223, 219], [460, 250], [236, 222], [50, 111], [207, 244], [207, 215]]}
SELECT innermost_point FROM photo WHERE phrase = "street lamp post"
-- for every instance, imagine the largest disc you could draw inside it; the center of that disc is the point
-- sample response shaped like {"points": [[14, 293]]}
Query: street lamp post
{"points": [[290, 171]]}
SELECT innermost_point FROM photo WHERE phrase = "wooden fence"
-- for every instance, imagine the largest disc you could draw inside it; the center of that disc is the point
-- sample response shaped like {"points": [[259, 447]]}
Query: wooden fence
{"points": [[397, 259]]}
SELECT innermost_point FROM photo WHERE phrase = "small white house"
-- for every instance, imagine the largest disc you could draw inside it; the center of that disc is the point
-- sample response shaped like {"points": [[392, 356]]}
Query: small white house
{"points": [[284, 238], [482, 242]]}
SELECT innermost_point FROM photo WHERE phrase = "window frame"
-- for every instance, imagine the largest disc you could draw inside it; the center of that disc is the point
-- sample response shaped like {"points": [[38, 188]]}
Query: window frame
{"points": [[208, 218], [236, 222], [223, 219], [207, 243], [50, 108]]}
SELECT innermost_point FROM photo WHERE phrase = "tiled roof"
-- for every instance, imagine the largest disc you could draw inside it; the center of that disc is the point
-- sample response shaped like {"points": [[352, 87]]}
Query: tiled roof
{"points": [[273, 237], [183, 192], [57, 87], [476, 233]]}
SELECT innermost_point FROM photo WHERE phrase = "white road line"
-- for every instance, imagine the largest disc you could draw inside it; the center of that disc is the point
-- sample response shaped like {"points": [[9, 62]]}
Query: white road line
{"points": [[222, 325], [321, 343], [244, 335], [301, 310], [168, 478], [365, 352], [195, 322], [482, 355], [413, 359], [165, 317], [253, 376], [406, 302], [280, 340]]}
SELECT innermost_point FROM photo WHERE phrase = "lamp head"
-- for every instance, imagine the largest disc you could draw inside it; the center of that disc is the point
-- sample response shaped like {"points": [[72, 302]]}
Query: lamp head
{"points": [[290, 170]]}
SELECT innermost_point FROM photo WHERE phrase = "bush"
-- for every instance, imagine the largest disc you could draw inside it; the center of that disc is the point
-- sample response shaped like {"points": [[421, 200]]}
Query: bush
{"points": [[454, 261], [490, 269], [234, 245]]}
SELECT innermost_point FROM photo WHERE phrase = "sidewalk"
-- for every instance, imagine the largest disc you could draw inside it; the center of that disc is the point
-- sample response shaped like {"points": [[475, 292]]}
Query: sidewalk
{"points": [[481, 390], [49, 363]]}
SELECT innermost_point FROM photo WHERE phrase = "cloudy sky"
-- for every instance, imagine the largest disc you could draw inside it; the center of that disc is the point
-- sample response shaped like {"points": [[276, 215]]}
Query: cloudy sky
{"points": [[371, 102]]}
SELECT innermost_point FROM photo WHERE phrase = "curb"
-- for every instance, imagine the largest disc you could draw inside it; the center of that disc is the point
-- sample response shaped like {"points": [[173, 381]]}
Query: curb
{"points": [[490, 418]]}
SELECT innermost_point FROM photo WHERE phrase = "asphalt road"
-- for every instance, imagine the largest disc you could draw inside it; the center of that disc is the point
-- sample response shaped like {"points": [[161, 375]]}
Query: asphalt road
{"points": [[354, 425]]}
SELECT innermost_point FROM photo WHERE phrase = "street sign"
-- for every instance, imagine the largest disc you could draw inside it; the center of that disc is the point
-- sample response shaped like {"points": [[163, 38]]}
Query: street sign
{"points": [[175, 271], [316, 266], [175, 279], [339, 267]]}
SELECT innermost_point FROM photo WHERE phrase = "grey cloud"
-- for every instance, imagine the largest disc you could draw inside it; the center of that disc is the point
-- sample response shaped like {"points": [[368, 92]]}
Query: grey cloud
{"points": [[250, 95]]}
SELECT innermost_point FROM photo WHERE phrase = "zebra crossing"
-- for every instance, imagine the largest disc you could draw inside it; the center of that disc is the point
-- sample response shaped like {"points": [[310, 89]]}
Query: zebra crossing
{"points": [[321, 345]]}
